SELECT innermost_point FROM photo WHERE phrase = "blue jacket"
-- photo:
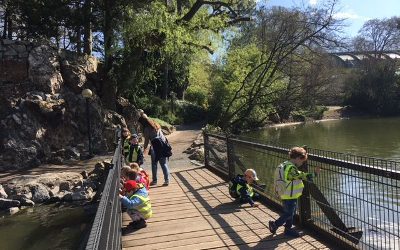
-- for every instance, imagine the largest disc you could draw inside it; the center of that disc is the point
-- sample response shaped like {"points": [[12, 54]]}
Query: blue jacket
{"points": [[134, 202], [244, 192]]}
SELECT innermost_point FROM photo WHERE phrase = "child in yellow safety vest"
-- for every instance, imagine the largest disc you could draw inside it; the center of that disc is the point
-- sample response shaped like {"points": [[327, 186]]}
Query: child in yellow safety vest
{"points": [[292, 189], [241, 187], [137, 202], [135, 152]]}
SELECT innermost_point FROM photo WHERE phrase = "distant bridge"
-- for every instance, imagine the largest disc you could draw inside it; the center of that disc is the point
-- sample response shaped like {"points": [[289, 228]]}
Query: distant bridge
{"points": [[355, 58]]}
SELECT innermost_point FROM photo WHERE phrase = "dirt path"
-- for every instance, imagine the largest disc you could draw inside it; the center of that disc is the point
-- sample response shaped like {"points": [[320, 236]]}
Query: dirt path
{"points": [[180, 140]]}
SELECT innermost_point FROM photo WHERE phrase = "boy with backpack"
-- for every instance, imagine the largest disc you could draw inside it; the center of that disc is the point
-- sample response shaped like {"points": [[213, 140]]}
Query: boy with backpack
{"points": [[289, 187], [241, 188]]}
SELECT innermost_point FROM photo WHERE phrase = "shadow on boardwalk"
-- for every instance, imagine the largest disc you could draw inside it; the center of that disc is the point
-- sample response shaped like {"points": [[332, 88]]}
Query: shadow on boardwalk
{"points": [[196, 212]]}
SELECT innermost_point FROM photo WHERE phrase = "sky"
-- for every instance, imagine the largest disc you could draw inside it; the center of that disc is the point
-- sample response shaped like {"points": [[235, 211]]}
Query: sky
{"points": [[357, 12]]}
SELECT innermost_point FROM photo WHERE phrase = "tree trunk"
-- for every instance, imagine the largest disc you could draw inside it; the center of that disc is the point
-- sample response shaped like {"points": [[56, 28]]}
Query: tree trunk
{"points": [[78, 40], [5, 28], [88, 37], [9, 24], [165, 85], [109, 86], [179, 6]]}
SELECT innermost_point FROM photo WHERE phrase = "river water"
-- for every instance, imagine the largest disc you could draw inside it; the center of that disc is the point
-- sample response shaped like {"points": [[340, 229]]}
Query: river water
{"points": [[365, 201], [54, 226], [378, 137]]}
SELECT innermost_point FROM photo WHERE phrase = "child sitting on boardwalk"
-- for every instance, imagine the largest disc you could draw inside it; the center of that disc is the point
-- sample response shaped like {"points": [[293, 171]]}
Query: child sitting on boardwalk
{"points": [[241, 187], [137, 202]]}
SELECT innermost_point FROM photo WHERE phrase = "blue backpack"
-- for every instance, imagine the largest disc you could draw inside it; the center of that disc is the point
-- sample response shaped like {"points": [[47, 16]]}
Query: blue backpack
{"points": [[233, 186]]}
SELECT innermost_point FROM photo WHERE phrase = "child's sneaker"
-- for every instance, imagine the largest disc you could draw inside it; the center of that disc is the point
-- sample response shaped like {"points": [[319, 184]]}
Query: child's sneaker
{"points": [[291, 232], [153, 183], [166, 183], [138, 224], [272, 227]]}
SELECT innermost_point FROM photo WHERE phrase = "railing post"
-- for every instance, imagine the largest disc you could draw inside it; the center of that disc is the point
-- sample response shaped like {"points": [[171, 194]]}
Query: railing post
{"points": [[231, 162], [206, 149], [305, 200]]}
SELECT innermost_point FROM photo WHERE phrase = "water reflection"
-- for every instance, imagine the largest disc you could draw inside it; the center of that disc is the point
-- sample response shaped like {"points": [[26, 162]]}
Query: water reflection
{"points": [[44, 227], [369, 137], [365, 201]]}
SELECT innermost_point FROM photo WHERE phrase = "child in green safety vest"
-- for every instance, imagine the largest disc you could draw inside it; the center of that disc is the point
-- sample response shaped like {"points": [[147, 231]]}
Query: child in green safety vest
{"points": [[292, 189], [135, 152], [241, 189], [137, 202], [126, 135]]}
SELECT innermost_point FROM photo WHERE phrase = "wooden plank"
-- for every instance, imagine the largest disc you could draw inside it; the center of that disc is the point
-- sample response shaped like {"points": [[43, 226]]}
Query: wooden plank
{"points": [[198, 213]]}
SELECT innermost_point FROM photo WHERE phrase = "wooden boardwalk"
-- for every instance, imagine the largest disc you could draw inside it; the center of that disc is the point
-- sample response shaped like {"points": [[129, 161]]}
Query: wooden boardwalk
{"points": [[196, 212]]}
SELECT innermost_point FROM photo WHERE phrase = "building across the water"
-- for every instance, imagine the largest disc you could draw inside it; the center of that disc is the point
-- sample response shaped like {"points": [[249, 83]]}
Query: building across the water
{"points": [[356, 58]]}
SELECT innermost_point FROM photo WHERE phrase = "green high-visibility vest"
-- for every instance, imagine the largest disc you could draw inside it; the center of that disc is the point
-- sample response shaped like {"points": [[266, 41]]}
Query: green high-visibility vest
{"points": [[249, 188], [294, 188], [126, 145], [145, 207], [135, 153]]}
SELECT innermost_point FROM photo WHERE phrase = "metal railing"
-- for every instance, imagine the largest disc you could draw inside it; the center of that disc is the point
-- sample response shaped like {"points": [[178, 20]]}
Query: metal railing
{"points": [[354, 200], [106, 228]]}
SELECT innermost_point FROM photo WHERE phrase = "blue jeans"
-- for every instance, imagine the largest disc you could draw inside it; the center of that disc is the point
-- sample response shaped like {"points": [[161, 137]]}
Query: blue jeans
{"points": [[289, 209], [164, 166]]}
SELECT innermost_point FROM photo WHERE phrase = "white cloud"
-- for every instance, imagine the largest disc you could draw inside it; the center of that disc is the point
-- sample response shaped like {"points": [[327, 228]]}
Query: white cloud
{"points": [[313, 2], [349, 15]]}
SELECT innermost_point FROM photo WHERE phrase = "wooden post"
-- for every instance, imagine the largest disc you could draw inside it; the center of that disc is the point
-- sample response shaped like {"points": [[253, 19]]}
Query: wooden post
{"points": [[206, 149], [231, 158], [304, 200]]}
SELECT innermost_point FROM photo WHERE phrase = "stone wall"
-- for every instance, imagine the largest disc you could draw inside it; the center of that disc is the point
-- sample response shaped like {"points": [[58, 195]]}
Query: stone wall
{"points": [[14, 76], [14, 61]]}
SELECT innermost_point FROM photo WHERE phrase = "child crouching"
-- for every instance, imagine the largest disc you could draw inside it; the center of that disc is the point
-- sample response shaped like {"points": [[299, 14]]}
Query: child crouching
{"points": [[241, 188], [137, 202]]}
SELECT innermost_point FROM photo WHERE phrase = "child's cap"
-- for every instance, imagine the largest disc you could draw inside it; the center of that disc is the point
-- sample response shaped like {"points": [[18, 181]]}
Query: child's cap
{"points": [[134, 136], [253, 172], [130, 185]]}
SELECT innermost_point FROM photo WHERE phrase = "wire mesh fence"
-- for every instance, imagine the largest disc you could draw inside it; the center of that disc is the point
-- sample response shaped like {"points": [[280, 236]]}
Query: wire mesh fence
{"points": [[106, 228], [354, 199]]}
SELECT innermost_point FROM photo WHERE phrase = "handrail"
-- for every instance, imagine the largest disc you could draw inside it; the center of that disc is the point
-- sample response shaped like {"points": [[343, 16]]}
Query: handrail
{"points": [[106, 228], [353, 201]]}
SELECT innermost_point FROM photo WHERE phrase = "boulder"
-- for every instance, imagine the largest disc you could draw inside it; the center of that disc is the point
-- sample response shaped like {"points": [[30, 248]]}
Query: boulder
{"points": [[76, 72], [7, 203], [26, 202], [13, 210], [3, 193], [44, 69], [40, 193]]}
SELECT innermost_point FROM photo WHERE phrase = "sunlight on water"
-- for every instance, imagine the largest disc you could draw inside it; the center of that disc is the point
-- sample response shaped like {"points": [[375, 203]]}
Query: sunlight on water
{"points": [[368, 202], [44, 227]]}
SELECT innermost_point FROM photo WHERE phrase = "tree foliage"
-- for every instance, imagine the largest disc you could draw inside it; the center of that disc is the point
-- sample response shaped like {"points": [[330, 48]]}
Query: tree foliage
{"points": [[285, 40], [375, 89], [378, 35]]}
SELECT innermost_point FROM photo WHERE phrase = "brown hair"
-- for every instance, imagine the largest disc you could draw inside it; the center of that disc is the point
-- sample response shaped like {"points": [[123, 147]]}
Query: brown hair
{"points": [[297, 152], [146, 122], [124, 170], [131, 174], [134, 166]]}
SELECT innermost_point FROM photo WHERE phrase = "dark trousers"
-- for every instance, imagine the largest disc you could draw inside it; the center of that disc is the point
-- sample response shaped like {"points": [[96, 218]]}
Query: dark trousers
{"points": [[289, 209]]}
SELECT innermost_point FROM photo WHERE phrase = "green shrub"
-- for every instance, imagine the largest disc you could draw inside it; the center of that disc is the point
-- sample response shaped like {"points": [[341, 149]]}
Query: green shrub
{"points": [[196, 96], [190, 112]]}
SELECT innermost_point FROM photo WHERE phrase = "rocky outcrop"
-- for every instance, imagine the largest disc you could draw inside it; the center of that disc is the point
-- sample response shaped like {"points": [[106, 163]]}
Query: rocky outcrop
{"points": [[196, 150], [49, 122], [27, 190], [44, 69]]}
